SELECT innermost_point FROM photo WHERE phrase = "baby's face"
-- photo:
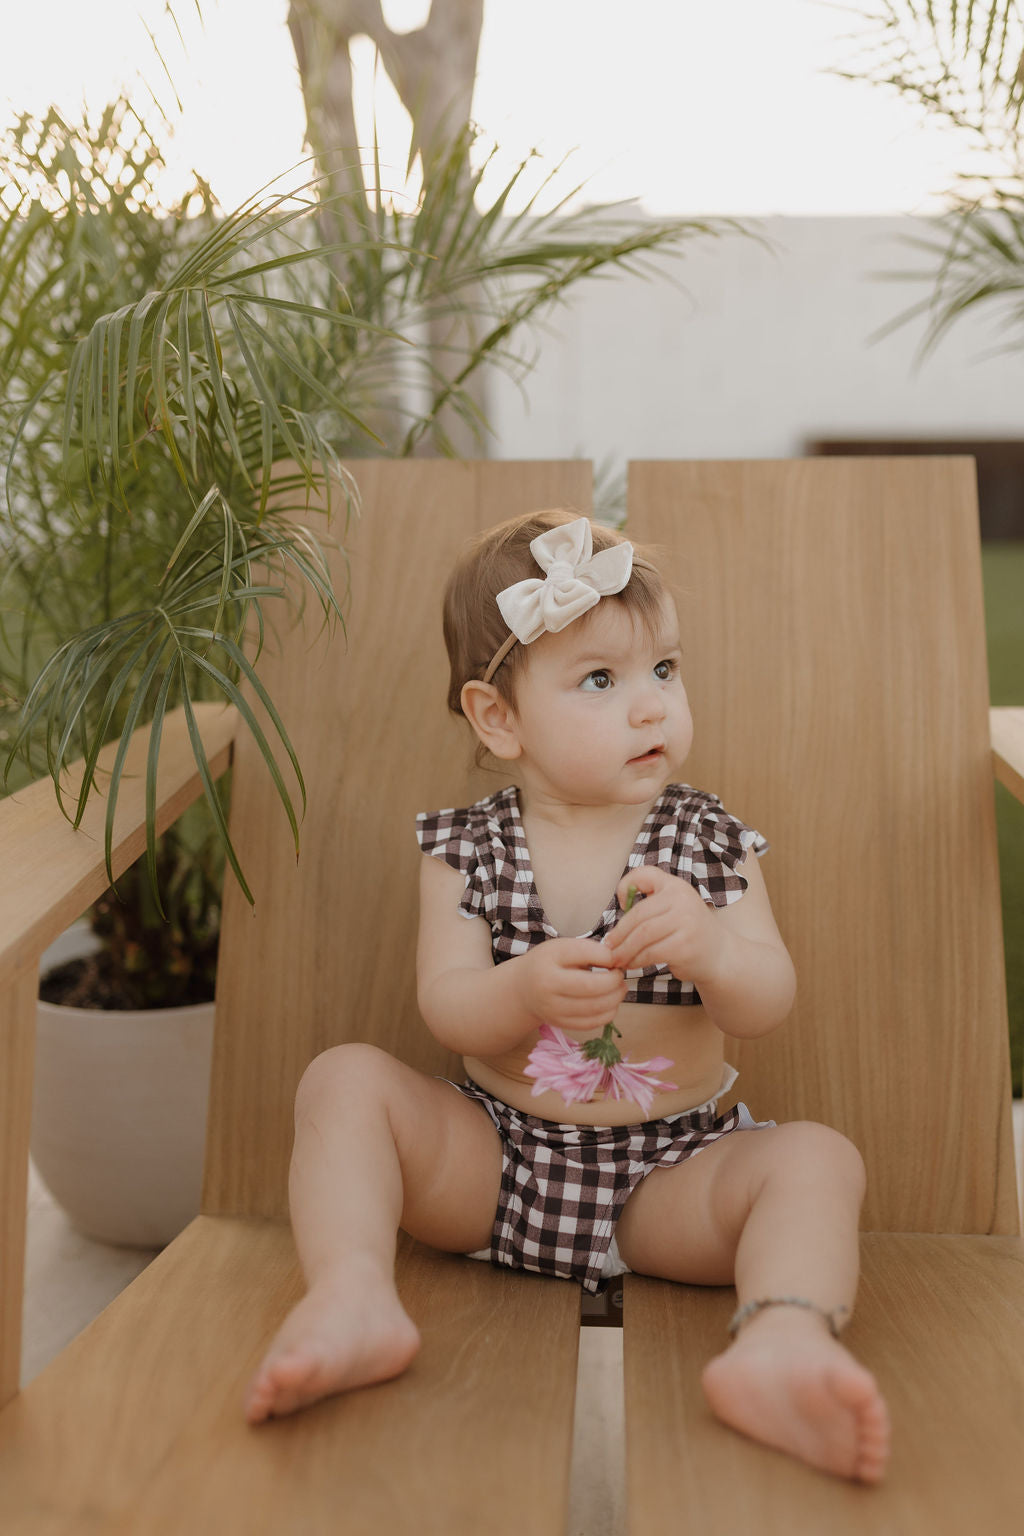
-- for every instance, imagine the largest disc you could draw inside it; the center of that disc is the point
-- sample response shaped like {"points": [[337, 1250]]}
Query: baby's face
{"points": [[601, 711]]}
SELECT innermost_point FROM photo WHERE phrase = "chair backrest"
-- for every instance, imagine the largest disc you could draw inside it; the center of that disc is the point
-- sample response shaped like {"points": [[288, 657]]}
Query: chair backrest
{"points": [[835, 661], [833, 624], [329, 953]]}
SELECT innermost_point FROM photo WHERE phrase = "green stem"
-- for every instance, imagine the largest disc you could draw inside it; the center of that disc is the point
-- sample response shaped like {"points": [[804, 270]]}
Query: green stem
{"points": [[603, 1048]]}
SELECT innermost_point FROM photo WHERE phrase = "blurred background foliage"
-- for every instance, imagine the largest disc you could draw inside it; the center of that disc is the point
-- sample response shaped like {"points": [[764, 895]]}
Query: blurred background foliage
{"points": [[158, 366], [963, 63]]}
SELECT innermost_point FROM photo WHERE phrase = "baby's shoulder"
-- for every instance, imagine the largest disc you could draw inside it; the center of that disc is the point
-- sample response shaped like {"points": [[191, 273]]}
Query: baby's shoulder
{"points": [[467, 828], [697, 837], [687, 809]]}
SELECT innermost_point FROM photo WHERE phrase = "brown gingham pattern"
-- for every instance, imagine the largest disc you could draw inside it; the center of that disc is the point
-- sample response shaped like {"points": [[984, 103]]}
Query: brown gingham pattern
{"points": [[686, 832], [563, 1186]]}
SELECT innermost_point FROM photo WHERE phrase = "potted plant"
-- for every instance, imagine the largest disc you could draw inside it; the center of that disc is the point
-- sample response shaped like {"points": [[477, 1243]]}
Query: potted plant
{"points": [[124, 1040], [157, 364]]}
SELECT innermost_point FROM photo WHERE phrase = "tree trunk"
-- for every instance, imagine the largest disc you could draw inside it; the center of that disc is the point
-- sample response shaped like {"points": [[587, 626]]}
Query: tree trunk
{"points": [[433, 70]]}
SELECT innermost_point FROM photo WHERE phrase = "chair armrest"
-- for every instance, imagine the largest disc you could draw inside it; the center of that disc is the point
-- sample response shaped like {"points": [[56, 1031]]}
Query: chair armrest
{"points": [[1008, 748], [49, 872]]}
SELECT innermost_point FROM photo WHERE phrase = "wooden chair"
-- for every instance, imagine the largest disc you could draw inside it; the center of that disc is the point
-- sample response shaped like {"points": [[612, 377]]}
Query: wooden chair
{"points": [[835, 660]]}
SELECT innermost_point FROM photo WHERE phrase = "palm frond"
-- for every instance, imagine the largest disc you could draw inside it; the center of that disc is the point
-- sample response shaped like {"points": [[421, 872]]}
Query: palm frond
{"points": [[961, 61], [157, 367]]}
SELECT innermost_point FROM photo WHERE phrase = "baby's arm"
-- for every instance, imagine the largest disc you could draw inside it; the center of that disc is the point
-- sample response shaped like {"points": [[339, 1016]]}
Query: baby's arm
{"points": [[481, 1009], [734, 955]]}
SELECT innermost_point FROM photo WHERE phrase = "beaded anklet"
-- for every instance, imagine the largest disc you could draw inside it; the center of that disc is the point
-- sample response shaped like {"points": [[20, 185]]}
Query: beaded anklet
{"points": [[836, 1319]]}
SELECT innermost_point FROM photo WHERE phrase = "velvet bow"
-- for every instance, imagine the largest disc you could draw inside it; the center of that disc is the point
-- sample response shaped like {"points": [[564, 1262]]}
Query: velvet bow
{"points": [[575, 580]]}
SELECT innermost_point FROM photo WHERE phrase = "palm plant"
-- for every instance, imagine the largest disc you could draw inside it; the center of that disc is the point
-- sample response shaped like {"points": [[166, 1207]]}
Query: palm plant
{"points": [[964, 64], [157, 366]]}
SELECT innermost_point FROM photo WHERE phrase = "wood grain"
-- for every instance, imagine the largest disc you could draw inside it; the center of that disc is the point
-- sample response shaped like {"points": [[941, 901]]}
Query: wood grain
{"points": [[835, 662], [835, 659], [17, 1049], [329, 954], [1008, 748], [138, 1426], [940, 1322], [51, 872]]}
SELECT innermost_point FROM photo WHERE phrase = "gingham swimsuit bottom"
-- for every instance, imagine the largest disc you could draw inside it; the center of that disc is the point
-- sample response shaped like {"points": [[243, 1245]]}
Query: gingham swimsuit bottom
{"points": [[563, 1186]]}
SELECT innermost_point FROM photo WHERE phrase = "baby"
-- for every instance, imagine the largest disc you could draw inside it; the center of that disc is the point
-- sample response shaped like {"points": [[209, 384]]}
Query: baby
{"points": [[554, 914]]}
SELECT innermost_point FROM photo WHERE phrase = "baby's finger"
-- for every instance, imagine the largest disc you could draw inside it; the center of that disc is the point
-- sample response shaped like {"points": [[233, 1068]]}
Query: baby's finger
{"points": [[580, 1014], [653, 955], [578, 983], [643, 880], [589, 1026], [652, 934], [629, 923], [584, 953]]}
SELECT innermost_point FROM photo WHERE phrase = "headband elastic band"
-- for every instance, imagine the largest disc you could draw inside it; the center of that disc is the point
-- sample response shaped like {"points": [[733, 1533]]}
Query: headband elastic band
{"points": [[499, 656]]}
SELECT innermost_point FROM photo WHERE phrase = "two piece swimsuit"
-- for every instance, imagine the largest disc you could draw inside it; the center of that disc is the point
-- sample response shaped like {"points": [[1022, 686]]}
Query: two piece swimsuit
{"points": [[564, 1185]]}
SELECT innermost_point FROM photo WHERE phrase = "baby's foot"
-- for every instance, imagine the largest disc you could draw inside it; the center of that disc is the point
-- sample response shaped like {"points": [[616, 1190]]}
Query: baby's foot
{"points": [[347, 1331], [787, 1382]]}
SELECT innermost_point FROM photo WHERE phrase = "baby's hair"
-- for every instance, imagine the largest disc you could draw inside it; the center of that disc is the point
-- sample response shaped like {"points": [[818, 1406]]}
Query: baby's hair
{"points": [[474, 629]]}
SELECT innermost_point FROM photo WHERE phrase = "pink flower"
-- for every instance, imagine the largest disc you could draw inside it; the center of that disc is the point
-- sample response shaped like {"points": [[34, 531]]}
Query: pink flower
{"points": [[580, 1074], [635, 1080], [558, 1063]]}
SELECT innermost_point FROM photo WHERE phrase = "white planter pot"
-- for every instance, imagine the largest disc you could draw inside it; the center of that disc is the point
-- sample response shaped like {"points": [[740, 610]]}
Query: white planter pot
{"points": [[119, 1115]]}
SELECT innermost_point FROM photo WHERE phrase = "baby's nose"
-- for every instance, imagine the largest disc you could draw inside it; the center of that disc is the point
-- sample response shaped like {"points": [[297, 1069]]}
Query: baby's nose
{"points": [[649, 705]]}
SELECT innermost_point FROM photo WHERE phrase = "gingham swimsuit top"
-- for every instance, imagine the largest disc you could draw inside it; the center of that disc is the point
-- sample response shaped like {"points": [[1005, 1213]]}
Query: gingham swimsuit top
{"points": [[686, 832]]}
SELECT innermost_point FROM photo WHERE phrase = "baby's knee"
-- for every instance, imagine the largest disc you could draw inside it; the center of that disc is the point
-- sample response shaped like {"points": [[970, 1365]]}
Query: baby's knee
{"points": [[805, 1147], [353, 1068]]}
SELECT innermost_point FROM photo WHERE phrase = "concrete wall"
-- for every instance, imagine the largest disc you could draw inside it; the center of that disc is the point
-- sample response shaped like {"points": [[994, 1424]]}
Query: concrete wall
{"points": [[762, 352]]}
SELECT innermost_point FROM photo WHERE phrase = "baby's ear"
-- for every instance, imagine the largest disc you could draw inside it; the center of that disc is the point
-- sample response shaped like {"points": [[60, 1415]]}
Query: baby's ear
{"points": [[492, 718]]}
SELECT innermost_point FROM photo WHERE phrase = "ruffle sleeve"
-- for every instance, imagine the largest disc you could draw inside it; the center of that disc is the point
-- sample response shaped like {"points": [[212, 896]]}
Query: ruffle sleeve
{"points": [[710, 846], [453, 835]]}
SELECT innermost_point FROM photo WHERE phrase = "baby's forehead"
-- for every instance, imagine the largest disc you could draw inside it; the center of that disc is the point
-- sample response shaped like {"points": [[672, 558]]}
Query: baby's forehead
{"points": [[612, 629]]}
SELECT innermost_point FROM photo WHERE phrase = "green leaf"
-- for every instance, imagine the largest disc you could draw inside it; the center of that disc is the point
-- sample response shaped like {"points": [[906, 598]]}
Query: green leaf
{"points": [[214, 359], [212, 495], [113, 697], [117, 771], [152, 761], [236, 697], [212, 798], [138, 313]]}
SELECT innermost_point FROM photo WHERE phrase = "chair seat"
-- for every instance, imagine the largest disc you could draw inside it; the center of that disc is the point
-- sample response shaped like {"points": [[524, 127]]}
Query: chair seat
{"points": [[138, 1427], [939, 1321]]}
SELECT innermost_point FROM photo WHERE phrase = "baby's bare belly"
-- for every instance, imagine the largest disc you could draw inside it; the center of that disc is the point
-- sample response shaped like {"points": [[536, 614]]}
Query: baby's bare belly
{"points": [[685, 1035]]}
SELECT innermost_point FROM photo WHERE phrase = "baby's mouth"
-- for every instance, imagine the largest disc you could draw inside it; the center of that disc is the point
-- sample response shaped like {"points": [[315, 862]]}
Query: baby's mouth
{"points": [[650, 756]]}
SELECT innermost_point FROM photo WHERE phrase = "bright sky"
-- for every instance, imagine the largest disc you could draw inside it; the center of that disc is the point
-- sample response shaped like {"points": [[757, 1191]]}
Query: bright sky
{"points": [[689, 106]]}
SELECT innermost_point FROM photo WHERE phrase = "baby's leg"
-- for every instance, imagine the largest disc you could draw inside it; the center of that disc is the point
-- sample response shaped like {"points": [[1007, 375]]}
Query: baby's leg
{"points": [[377, 1145], [776, 1210]]}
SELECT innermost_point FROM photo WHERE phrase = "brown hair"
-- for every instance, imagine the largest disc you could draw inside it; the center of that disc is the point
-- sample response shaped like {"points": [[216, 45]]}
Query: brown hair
{"points": [[474, 629]]}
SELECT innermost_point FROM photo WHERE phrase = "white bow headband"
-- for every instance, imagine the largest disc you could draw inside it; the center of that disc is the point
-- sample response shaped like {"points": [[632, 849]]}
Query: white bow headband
{"points": [[575, 580]]}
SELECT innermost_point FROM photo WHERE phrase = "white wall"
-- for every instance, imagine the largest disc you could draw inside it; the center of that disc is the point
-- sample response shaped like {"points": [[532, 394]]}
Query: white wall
{"points": [[765, 350]]}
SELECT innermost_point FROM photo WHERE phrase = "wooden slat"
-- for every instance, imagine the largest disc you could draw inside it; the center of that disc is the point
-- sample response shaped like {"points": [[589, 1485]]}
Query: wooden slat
{"points": [[1008, 748], [329, 955], [17, 1045], [940, 1321], [834, 653], [51, 872], [138, 1426]]}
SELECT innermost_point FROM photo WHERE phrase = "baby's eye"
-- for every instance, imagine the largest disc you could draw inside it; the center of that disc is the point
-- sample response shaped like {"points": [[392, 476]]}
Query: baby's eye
{"points": [[665, 670], [597, 682]]}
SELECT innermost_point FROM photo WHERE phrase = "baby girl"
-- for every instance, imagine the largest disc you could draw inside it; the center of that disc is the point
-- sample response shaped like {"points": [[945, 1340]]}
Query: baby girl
{"points": [[590, 937]]}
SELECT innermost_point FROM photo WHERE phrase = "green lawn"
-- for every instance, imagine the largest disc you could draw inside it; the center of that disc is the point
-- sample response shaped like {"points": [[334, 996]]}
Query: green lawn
{"points": [[1003, 570]]}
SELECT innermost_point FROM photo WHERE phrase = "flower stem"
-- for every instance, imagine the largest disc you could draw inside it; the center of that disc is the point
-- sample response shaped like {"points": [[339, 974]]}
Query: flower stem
{"points": [[603, 1048]]}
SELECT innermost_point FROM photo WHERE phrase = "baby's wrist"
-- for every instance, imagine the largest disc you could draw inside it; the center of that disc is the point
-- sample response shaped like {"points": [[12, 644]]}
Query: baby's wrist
{"points": [[716, 963]]}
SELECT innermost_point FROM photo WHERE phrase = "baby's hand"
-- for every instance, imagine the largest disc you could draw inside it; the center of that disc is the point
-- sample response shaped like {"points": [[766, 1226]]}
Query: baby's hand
{"points": [[561, 988], [672, 926]]}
